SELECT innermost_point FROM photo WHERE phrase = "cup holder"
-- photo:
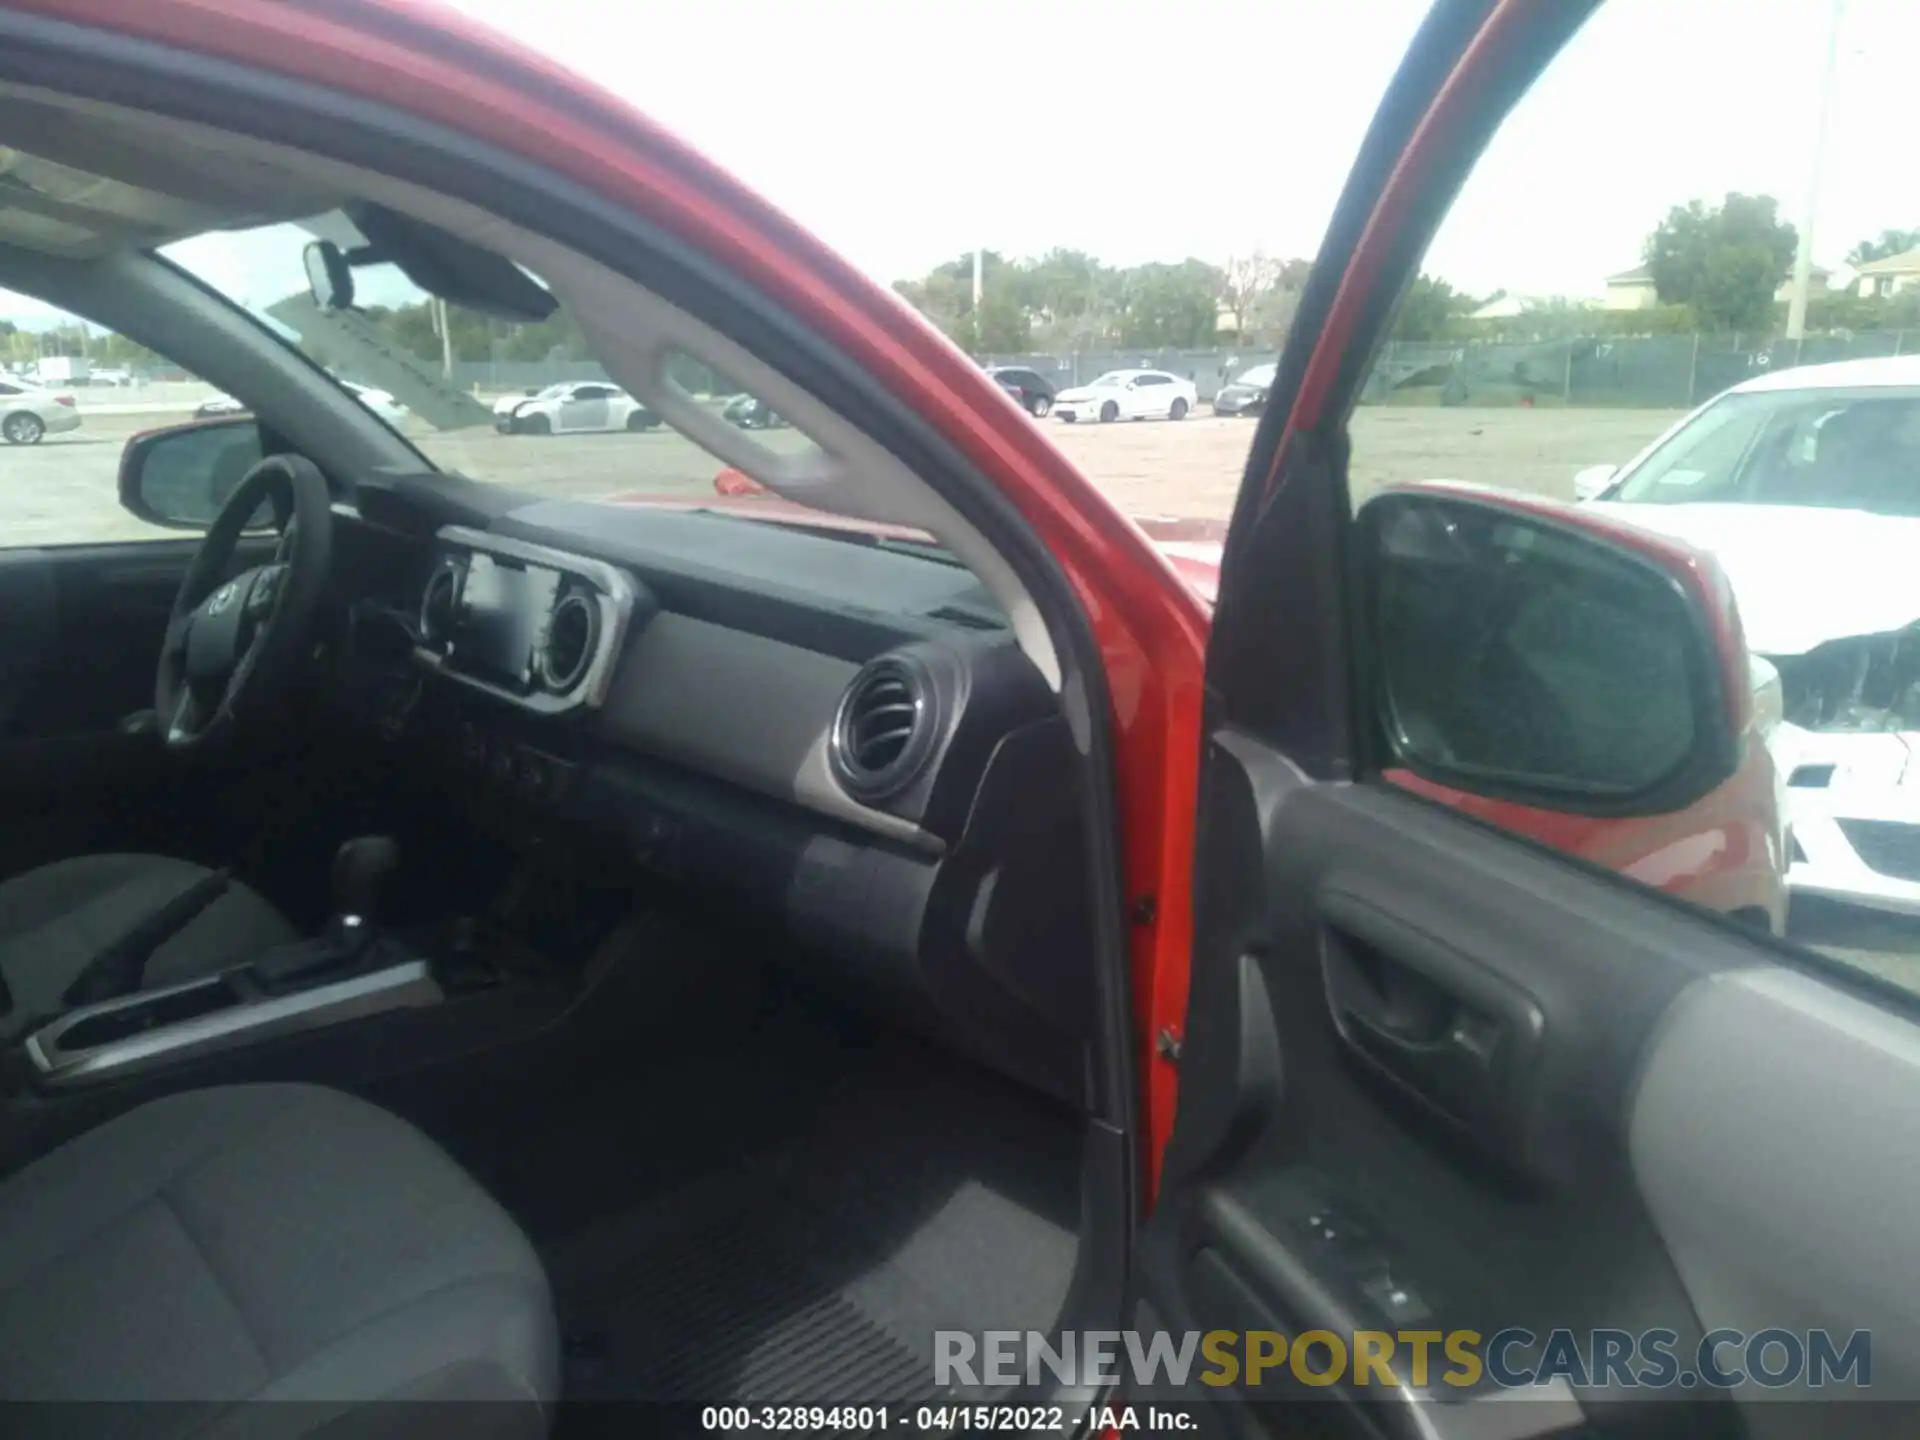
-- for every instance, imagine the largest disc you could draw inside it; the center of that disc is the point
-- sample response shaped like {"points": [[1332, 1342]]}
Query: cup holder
{"points": [[136, 1017]]}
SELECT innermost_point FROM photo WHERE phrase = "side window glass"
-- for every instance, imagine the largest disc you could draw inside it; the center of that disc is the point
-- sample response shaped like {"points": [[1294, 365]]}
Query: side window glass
{"points": [[1709, 349], [72, 396]]}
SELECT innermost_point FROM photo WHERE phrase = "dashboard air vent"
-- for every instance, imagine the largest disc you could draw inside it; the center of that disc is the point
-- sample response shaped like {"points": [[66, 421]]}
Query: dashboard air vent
{"points": [[437, 607], [884, 730], [573, 630]]}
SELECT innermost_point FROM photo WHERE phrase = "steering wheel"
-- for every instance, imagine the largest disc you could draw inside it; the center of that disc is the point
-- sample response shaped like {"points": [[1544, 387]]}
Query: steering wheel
{"points": [[232, 647]]}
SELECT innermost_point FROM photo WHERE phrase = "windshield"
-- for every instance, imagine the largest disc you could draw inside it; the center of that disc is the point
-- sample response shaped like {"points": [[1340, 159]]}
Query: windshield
{"points": [[1260, 376], [526, 405], [1834, 449], [1111, 380]]}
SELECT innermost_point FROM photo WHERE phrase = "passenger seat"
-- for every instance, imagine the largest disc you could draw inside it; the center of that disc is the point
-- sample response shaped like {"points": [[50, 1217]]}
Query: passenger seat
{"points": [[222, 1248]]}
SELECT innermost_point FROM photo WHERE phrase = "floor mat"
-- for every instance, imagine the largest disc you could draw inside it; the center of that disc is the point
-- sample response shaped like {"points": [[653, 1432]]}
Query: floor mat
{"points": [[726, 1312], [903, 1196]]}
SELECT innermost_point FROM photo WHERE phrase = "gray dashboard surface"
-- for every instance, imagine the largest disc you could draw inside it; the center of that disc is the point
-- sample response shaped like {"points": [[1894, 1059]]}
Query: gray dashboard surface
{"points": [[821, 571]]}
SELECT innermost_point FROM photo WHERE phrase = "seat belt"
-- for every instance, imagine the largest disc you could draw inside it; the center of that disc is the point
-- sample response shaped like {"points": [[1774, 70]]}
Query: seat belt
{"points": [[121, 966]]}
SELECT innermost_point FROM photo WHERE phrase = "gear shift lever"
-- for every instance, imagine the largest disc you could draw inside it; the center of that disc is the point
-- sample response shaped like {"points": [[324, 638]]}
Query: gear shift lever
{"points": [[360, 870]]}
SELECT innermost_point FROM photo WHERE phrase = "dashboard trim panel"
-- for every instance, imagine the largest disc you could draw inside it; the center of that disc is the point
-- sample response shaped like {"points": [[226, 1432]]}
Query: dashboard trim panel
{"points": [[748, 710]]}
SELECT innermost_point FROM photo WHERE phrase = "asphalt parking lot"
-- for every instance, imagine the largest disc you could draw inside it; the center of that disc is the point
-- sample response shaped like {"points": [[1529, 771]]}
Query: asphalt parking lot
{"points": [[62, 491]]}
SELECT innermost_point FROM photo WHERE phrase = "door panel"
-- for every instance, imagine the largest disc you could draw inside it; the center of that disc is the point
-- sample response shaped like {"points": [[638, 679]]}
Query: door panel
{"points": [[586, 410], [1808, 1097], [1311, 1178], [80, 632], [82, 656]]}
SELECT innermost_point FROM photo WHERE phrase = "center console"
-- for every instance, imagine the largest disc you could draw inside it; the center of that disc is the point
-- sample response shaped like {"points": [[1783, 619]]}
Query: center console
{"points": [[349, 971], [158, 1028]]}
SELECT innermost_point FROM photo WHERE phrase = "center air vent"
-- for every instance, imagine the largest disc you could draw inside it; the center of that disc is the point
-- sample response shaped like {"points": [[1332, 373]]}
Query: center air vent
{"points": [[884, 730], [572, 632], [437, 606]]}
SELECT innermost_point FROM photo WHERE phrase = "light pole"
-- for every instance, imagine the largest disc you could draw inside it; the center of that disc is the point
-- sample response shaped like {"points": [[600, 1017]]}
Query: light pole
{"points": [[978, 270], [1803, 255], [446, 337]]}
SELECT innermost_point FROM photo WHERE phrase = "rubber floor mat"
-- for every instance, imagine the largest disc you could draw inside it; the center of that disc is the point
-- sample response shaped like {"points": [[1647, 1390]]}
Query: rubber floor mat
{"points": [[725, 1310]]}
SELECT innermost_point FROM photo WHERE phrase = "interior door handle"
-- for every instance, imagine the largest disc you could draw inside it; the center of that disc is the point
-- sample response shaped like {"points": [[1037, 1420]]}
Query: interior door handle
{"points": [[1445, 1028], [1405, 1012]]}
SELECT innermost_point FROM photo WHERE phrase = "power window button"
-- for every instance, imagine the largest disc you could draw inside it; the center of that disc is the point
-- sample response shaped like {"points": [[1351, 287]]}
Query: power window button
{"points": [[1400, 1303]]}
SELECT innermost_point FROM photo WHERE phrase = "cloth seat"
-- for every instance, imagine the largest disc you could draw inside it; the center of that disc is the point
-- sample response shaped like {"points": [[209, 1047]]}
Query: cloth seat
{"points": [[221, 1249], [55, 919]]}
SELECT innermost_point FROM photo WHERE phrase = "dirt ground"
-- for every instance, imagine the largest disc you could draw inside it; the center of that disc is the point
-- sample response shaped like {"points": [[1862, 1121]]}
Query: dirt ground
{"points": [[62, 491], [1194, 467]]}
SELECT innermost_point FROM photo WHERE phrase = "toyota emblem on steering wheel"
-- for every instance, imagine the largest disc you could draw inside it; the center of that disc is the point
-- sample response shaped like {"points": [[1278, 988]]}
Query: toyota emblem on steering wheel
{"points": [[222, 598]]}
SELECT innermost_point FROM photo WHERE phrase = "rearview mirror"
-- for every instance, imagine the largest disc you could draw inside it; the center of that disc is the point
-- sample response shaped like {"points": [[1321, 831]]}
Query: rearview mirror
{"points": [[1528, 651], [1591, 481], [329, 276], [182, 476]]}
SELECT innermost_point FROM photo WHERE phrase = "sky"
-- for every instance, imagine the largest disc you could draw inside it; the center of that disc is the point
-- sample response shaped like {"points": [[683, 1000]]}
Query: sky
{"points": [[905, 132]]}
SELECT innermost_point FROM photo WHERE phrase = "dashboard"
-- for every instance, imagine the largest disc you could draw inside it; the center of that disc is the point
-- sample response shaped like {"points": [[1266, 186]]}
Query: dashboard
{"points": [[837, 738]]}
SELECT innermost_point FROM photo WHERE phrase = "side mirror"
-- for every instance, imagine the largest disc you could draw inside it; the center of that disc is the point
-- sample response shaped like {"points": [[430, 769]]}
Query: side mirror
{"points": [[1592, 480], [1527, 651], [329, 275], [181, 476]]}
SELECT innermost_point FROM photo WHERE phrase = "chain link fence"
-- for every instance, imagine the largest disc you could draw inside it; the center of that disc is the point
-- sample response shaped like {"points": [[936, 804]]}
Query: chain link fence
{"points": [[1669, 372]]}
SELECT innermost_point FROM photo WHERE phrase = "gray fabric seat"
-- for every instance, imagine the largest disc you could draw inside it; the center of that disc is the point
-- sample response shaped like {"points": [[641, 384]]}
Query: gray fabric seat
{"points": [[55, 919], [220, 1249]]}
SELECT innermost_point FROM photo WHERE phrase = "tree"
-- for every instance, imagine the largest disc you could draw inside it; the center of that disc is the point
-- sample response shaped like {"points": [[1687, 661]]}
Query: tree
{"points": [[1273, 311], [1073, 299], [1170, 306], [945, 296], [1723, 263], [1429, 309], [478, 337], [1244, 280], [1890, 243]]}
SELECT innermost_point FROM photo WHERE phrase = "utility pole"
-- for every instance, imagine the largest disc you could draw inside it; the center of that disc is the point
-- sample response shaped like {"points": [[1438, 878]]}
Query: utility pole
{"points": [[446, 337], [978, 271], [1803, 256]]}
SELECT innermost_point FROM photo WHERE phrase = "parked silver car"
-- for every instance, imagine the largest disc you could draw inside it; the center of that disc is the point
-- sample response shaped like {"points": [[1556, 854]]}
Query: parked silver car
{"points": [[28, 414]]}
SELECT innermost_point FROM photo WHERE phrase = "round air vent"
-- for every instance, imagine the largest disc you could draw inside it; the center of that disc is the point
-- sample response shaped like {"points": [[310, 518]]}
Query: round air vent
{"points": [[884, 730], [572, 632], [437, 607]]}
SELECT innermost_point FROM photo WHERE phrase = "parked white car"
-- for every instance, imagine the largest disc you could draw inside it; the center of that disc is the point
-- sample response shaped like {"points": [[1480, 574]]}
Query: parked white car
{"points": [[378, 401], [1805, 484], [571, 407], [28, 414], [1128, 395]]}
